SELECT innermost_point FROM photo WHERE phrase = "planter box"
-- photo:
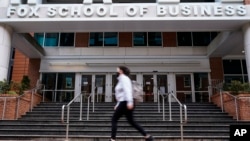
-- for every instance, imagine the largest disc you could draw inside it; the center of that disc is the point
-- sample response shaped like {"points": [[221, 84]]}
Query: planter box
{"points": [[229, 105], [12, 107]]}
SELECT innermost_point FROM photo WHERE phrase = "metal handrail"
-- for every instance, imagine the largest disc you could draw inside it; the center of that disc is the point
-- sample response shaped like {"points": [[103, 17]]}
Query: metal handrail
{"points": [[235, 102], [68, 111], [93, 107], [170, 95]]}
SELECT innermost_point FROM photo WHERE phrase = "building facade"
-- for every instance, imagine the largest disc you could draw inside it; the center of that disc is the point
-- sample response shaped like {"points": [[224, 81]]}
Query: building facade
{"points": [[74, 46]]}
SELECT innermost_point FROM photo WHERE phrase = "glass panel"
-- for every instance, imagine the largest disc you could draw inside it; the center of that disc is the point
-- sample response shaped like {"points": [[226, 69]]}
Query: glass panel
{"points": [[213, 35], [96, 39], [49, 80], [148, 85], [110, 38], [184, 38], [232, 67], [244, 66], [86, 86], [154, 39], [67, 39], [201, 97], [39, 37], [162, 83], [201, 81], [183, 87], [66, 81], [201, 38], [100, 87], [140, 38], [51, 39]]}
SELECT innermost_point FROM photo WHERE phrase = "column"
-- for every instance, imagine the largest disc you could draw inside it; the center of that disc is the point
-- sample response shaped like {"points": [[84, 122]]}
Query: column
{"points": [[246, 31], [5, 50]]}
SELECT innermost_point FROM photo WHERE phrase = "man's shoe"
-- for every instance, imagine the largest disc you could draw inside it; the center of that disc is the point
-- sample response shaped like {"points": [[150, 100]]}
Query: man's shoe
{"points": [[150, 138]]}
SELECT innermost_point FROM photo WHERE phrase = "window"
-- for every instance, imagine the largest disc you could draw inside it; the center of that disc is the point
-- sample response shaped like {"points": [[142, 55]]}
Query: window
{"points": [[51, 39], [201, 38], [184, 39], [140, 38], [39, 37], [66, 81], [96, 39], [67, 39], [154, 39], [110, 38], [235, 70], [187, 81]]}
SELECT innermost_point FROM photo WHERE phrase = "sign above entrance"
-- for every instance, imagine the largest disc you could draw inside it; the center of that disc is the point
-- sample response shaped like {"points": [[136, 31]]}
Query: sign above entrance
{"points": [[126, 11]]}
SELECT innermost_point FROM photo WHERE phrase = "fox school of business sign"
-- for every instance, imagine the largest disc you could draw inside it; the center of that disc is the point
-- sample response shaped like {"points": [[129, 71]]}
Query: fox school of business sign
{"points": [[125, 10]]}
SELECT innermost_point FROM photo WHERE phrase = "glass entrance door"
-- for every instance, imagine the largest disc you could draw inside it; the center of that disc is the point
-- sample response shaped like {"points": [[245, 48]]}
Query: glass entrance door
{"points": [[162, 85], [100, 87], [86, 86], [184, 87], [148, 88]]}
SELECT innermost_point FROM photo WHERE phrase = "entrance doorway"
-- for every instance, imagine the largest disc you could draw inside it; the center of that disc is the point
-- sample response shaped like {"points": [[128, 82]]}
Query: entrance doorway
{"points": [[188, 87]]}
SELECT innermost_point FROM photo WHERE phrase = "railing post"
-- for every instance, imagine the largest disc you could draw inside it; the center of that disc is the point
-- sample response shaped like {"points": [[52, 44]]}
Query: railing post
{"points": [[236, 108], [43, 92], [17, 107], [158, 95], [67, 128], [181, 122], [80, 106], [221, 101], [4, 107], [31, 103], [163, 108], [170, 107]]}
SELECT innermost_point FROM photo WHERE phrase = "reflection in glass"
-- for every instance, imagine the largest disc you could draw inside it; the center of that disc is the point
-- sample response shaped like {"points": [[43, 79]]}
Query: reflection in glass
{"points": [[67, 39], [39, 37], [110, 38], [96, 39], [140, 38], [51, 39], [154, 39]]}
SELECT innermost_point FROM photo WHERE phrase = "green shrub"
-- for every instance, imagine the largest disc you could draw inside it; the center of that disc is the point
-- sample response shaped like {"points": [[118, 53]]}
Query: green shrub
{"points": [[236, 87], [4, 86]]}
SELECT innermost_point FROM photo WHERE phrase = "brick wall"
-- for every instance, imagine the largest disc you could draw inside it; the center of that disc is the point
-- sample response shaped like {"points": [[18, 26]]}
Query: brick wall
{"points": [[247, 2], [125, 39], [243, 103], [82, 40], [169, 39], [20, 66], [216, 66], [33, 72], [12, 107]]}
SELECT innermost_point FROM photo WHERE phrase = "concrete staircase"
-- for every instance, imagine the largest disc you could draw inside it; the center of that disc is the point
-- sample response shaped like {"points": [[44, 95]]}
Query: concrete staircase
{"points": [[205, 122]]}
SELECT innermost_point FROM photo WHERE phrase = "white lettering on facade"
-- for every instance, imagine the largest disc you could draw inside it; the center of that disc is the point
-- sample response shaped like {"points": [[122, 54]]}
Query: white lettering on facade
{"points": [[101, 11], [131, 11], [88, 11], [22, 11], [143, 10], [63, 11], [127, 11], [218, 11], [51, 12], [76, 11], [112, 12]]}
